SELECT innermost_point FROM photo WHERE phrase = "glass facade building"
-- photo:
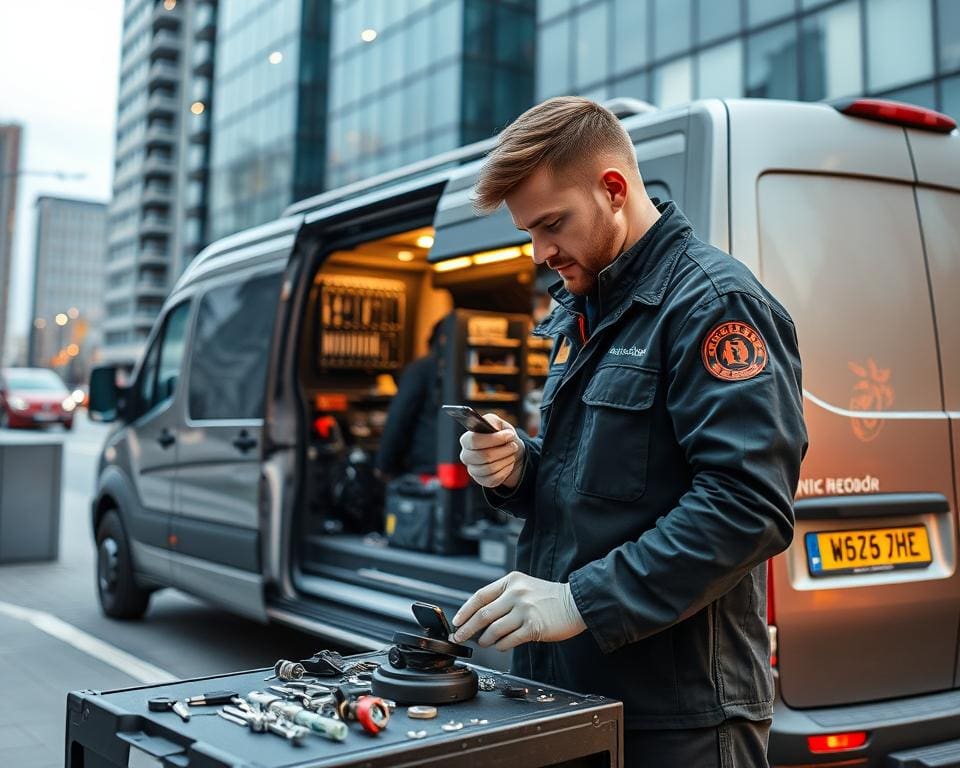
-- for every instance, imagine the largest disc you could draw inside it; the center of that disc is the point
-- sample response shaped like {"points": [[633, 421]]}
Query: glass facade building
{"points": [[411, 78], [670, 51], [268, 137], [68, 285]]}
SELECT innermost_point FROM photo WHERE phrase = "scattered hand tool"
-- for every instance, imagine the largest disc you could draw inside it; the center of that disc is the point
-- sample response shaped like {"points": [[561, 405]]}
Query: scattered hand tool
{"points": [[165, 704], [213, 698]]}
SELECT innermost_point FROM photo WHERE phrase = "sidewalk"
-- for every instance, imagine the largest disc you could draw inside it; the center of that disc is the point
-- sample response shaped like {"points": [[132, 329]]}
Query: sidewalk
{"points": [[37, 672]]}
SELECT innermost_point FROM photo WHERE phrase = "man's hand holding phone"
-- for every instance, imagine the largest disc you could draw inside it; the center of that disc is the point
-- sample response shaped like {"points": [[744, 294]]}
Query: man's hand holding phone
{"points": [[494, 459]]}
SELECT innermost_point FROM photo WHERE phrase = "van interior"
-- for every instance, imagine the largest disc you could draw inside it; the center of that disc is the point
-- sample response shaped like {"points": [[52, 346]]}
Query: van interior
{"points": [[371, 312]]}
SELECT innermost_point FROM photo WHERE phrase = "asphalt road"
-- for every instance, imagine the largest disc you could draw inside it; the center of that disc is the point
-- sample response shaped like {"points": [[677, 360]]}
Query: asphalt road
{"points": [[50, 622]]}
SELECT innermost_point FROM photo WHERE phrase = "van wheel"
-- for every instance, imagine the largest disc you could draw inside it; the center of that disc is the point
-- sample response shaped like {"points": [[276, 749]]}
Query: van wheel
{"points": [[120, 596]]}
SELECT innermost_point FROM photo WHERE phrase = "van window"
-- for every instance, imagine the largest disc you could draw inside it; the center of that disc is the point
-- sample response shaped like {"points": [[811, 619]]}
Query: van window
{"points": [[845, 257], [161, 367], [940, 216], [228, 366]]}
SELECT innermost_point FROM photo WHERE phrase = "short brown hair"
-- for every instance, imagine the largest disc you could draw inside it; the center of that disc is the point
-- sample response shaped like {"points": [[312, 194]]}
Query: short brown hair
{"points": [[556, 133]]}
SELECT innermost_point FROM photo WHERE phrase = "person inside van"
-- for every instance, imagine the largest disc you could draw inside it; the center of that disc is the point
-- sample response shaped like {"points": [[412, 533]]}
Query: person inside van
{"points": [[409, 440], [663, 476]]}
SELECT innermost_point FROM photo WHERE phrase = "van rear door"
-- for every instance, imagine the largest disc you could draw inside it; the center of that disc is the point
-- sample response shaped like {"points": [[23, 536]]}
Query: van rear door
{"points": [[937, 160], [868, 595]]}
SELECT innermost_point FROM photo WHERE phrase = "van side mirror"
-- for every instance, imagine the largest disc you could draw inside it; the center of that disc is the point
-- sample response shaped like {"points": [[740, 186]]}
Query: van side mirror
{"points": [[106, 397]]}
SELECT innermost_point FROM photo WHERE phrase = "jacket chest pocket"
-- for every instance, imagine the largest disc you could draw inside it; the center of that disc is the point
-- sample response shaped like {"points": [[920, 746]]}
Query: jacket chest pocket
{"points": [[613, 447]]}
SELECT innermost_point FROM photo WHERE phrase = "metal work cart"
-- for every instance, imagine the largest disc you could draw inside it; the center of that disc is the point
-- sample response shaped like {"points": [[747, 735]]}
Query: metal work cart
{"points": [[546, 727]]}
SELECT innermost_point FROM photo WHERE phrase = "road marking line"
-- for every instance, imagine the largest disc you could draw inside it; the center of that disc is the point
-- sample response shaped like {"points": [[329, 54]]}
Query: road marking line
{"points": [[87, 643]]}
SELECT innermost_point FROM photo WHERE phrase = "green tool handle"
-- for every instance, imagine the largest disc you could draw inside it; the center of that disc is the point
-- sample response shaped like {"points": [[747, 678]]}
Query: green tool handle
{"points": [[326, 726]]}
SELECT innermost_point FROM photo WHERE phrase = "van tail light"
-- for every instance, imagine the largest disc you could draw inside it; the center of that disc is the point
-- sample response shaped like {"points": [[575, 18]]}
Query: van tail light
{"points": [[836, 742], [453, 476], [771, 615], [899, 114]]}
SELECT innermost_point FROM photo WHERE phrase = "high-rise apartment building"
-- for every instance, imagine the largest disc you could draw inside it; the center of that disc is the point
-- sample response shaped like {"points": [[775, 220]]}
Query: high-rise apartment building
{"points": [[140, 222], [670, 51], [413, 78], [190, 233], [269, 125], [9, 170], [156, 217], [68, 285]]}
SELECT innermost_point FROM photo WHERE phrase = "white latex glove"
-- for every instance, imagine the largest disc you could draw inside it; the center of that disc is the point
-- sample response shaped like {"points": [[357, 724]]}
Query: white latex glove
{"points": [[494, 459], [519, 609]]}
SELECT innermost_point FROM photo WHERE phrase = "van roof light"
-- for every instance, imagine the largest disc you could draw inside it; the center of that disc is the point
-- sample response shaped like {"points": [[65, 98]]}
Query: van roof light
{"points": [[896, 112]]}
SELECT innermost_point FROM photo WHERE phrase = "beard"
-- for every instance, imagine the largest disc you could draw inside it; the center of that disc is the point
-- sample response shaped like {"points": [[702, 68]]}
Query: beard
{"points": [[602, 251]]}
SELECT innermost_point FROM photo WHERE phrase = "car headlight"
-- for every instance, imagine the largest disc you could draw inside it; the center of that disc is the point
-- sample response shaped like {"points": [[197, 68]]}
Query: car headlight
{"points": [[68, 404], [77, 396], [18, 403]]}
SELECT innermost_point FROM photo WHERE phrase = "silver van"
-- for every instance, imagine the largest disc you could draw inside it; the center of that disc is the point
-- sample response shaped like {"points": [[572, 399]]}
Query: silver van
{"points": [[240, 466]]}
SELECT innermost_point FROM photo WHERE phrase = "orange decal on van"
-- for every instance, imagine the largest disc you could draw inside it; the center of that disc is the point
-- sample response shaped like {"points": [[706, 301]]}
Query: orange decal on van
{"points": [[734, 351], [871, 393]]}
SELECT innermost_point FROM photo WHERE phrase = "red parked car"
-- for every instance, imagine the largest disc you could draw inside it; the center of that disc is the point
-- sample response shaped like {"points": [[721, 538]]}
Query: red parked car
{"points": [[31, 397]]}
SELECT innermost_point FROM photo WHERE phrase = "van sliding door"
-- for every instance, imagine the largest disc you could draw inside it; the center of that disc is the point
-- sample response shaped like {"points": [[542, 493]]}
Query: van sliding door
{"points": [[217, 523]]}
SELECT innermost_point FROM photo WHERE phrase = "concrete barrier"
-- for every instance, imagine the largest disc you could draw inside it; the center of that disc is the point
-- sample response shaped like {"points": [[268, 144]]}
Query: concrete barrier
{"points": [[30, 472]]}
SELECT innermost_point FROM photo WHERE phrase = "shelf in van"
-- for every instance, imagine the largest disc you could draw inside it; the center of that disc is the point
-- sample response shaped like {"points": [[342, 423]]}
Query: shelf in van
{"points": [[504, 397], [494, 370], [491, 341]]}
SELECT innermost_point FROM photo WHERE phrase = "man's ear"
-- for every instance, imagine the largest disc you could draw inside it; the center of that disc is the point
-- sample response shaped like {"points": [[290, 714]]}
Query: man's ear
{"points": [[615, 186]]}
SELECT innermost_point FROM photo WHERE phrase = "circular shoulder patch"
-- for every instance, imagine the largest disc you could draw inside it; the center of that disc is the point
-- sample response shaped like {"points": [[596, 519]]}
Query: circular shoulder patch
{"points": [[734, 351]]}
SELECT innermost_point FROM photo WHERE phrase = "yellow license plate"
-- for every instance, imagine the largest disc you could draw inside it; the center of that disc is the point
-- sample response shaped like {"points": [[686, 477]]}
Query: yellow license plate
{"points": [[865, 551]]}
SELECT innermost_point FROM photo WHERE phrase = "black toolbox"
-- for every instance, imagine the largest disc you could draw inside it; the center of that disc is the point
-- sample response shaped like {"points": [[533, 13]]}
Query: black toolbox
{"points": [[546, 727]]}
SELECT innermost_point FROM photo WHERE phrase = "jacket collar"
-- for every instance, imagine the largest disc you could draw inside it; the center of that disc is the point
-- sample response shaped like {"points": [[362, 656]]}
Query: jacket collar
{"points": [[641, 273]]}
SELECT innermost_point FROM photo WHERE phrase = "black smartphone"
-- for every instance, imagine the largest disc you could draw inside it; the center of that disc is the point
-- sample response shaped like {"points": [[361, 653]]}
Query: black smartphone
{"points": [[469, 419], [433, 619]]}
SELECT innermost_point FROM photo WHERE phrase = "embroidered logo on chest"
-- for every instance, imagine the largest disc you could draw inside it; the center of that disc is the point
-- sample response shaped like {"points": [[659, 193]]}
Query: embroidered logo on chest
{"points": [[633, 351]]}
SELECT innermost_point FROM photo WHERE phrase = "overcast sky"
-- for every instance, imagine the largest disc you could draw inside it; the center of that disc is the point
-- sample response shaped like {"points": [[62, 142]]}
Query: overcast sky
{"points": [[59, 62]]}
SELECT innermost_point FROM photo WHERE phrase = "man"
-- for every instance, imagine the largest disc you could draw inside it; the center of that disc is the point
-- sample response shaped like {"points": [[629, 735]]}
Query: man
{"points": [[664, 474], [409, 441]]}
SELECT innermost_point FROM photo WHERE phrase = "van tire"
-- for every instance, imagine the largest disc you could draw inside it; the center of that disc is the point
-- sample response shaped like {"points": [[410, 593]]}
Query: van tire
{"points": [[120, 595]]}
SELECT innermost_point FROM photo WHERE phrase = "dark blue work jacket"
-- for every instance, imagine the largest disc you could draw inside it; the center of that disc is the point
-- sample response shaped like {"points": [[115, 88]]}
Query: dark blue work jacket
{"points": [[662, 481]]}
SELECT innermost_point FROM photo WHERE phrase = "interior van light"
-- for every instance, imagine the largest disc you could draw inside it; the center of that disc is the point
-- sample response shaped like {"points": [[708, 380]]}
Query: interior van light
{"points": [[452, 264], [527, 249], [894, 112], [836, 742], [425, 241], [405, 255], [490, 257]]}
